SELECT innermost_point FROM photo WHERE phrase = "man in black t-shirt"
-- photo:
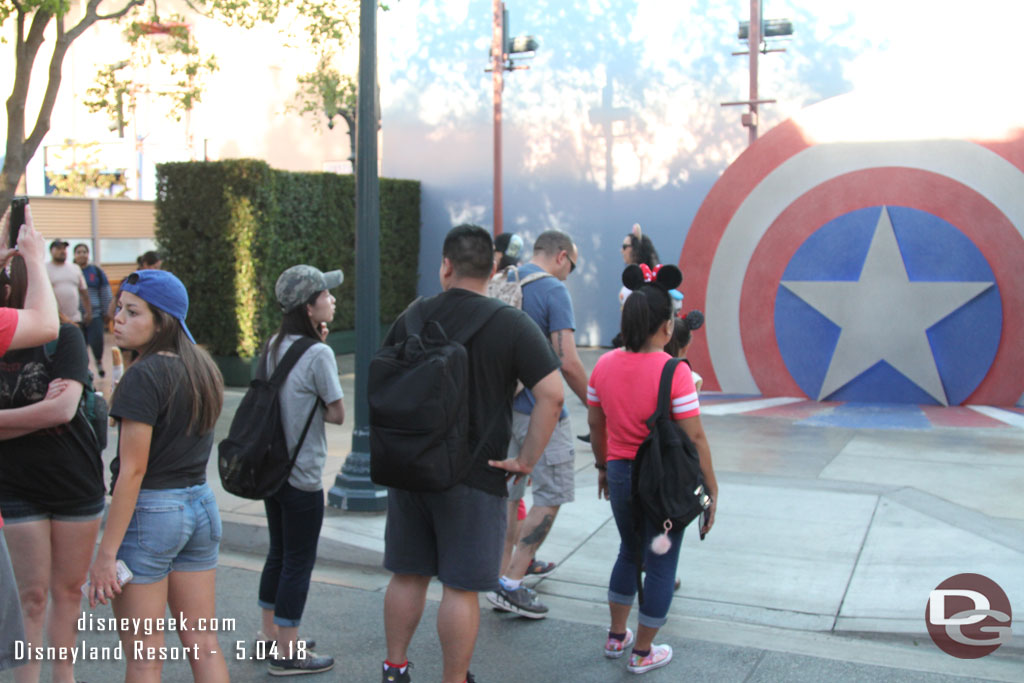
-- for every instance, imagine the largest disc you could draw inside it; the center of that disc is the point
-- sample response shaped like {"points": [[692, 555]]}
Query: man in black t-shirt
{"points": [[457, 534]]}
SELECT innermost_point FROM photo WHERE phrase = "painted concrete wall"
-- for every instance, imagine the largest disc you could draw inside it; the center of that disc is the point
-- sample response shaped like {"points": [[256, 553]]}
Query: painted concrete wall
{"points": [[857, 253], [661, 70]]}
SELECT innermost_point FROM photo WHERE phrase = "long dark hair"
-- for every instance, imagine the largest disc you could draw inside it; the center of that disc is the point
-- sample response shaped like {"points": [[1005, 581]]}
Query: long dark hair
{"points": [[205, 384], [682, 332], [295, 321], [643, 250], [644, 312], [17, 280]]}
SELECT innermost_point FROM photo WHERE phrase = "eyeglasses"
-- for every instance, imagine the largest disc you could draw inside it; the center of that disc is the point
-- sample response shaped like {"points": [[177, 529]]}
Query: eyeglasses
{"points": [[626, 245]]}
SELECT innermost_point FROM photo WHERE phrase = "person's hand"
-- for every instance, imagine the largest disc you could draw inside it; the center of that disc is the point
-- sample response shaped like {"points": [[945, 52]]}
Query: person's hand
{"points": [[31, 244], [322, 331], [602, 485], [55, 388], [103, 583], [514, 469]]}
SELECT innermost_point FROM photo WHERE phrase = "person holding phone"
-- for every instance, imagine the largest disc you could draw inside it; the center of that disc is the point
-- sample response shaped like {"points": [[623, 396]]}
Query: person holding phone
{"points": [[621, 396], [51, 479], [35, 324], [163, 520]]}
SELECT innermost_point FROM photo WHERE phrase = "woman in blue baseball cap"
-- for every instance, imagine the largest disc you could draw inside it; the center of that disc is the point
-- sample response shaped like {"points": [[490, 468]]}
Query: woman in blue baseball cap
{"points": [[163, 522]]}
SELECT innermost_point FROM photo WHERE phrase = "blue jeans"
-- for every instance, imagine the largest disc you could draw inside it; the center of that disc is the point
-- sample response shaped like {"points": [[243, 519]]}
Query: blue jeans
{"points": [[659, 570], [294, 518], [172, 530]]}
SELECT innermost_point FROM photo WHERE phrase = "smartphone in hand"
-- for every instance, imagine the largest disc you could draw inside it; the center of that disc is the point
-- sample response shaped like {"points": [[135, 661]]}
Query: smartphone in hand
{"points": [[17, 220], [704, 517]]}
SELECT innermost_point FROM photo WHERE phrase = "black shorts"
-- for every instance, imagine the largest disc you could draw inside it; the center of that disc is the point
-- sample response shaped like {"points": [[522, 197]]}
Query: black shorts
{"points": [[16, 510], [456, 535]]}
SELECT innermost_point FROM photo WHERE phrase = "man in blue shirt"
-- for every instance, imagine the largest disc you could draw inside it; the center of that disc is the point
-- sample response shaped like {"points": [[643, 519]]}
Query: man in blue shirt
{"points": [[546, 300]]}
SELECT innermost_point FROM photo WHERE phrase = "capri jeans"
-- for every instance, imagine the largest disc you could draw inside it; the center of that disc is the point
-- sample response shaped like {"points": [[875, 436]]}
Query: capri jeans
{"points": [[659, 570], [294, 518]]}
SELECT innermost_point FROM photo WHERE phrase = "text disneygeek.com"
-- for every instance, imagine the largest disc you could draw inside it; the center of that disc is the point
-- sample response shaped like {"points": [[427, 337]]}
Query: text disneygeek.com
{"points": [[129, 629]]}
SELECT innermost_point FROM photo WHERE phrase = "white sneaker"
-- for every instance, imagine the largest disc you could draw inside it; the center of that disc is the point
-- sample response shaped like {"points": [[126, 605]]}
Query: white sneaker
{"points": [[613, 649], [659, 656]]}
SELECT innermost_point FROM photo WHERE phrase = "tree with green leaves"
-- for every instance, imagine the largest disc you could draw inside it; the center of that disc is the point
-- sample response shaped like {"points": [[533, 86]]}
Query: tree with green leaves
{"points": [[324, 25]]}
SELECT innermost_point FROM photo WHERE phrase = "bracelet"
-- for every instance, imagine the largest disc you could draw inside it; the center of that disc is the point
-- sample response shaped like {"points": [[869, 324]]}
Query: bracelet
{"points": [[603, 468]]}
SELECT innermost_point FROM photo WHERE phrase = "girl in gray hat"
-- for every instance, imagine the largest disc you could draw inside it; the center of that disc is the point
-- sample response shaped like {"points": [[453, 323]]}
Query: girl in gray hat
{"points": [[295, 512]]}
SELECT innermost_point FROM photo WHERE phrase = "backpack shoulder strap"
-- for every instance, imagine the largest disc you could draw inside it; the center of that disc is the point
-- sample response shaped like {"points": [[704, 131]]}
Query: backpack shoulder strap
{"points": [[291, 357], [664, 391], [414, 319], [484, 312], [534, 277]]}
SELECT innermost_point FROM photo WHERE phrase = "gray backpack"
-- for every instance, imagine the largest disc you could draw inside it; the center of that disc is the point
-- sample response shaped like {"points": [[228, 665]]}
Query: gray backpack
{"points": [[508, 286]]}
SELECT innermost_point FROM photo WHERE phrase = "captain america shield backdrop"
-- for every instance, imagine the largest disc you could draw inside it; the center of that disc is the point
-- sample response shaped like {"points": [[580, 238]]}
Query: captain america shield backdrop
{"points": [[863, 263]]}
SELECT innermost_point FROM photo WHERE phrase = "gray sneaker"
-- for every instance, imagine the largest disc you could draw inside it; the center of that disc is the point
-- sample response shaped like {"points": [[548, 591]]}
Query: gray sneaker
{"points": [[523, 601], [312, 663]]}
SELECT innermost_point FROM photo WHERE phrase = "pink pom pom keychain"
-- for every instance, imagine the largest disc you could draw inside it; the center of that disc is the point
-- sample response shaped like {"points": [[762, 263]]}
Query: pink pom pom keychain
{"points": [[661, 543]]}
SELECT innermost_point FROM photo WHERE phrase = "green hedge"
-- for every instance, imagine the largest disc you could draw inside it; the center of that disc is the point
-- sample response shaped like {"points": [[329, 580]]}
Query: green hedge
{"points": [[228, 229]]}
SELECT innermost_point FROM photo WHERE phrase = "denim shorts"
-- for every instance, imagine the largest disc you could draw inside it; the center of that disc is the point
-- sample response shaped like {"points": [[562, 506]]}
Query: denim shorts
{"points": [[15, 510], [172, 530]]}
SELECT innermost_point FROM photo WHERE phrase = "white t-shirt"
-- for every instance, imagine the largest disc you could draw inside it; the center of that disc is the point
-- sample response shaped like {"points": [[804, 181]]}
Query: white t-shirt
{"points": [[68, 282]]}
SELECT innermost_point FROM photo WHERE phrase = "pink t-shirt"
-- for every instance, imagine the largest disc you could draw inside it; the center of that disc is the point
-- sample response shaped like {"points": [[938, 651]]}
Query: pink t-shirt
{"points": [[8, 321], [625, 386]]}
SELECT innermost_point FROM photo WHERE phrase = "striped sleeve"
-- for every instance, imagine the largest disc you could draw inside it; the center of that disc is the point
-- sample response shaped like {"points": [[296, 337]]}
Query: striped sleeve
{"points": [[592, 397], [684, 394]]}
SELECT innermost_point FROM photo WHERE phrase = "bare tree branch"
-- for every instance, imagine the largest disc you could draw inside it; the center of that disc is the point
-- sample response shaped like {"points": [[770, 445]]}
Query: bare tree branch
{"points": [[123, 11]]}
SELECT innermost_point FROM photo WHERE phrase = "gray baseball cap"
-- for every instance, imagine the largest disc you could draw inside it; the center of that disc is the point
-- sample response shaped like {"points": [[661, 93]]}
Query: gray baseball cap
{"points": [[297, 284]]}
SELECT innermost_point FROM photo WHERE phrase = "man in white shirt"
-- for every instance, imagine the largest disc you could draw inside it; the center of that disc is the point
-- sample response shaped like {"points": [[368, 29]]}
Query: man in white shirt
{"points": [[68, 283]]}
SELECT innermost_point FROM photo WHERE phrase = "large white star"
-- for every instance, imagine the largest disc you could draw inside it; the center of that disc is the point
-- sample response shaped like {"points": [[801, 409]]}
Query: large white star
{"points": [[885, 316]]}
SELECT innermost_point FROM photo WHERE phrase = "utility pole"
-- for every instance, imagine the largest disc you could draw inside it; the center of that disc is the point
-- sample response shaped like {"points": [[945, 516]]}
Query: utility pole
{"points": [[755, 31], [501, 48], [497, 75]]}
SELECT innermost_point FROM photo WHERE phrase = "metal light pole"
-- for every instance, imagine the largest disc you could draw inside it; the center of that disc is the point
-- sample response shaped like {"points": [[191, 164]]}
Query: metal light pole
{"points": [[501, 48], [497, 74], [352, 488], [755, 31]]}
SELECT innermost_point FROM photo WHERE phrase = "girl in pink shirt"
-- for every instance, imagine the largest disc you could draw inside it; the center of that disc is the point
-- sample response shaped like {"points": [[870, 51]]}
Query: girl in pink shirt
{"points": [[621, 395]]}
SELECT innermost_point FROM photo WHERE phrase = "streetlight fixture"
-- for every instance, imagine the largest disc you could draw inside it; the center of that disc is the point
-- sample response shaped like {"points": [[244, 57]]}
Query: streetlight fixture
{"points": [[502, 49]]}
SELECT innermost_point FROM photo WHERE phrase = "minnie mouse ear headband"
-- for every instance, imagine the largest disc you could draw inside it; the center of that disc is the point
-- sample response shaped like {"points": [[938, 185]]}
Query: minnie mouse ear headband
{"points": [[663, 276], [636, 231]]}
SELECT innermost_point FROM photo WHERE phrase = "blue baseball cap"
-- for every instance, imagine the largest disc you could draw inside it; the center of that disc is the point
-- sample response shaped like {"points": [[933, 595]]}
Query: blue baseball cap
{"points": [[163, 290]]}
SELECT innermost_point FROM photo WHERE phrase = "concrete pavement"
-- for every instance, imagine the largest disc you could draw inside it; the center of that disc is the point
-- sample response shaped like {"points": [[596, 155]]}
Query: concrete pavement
{"points": [[834, 524]]}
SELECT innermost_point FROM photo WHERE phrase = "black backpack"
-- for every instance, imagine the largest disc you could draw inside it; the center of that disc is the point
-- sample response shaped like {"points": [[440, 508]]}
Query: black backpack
{"points": [[667, 485], [419, 404], [254, 460], [92, 407]]}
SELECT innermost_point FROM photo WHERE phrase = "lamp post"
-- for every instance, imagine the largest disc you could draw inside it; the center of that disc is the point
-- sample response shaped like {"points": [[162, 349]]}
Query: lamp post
{"points": [[501, 48], [754, 32], [352, 488]]}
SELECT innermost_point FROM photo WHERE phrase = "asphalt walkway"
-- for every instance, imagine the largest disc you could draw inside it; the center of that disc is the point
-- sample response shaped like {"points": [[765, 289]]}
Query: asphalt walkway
{"points": [[835, 522]]}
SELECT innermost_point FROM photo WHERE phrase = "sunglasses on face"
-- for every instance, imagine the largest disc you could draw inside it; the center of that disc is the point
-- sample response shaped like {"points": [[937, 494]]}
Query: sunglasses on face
{"points": [[572, 264]]}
